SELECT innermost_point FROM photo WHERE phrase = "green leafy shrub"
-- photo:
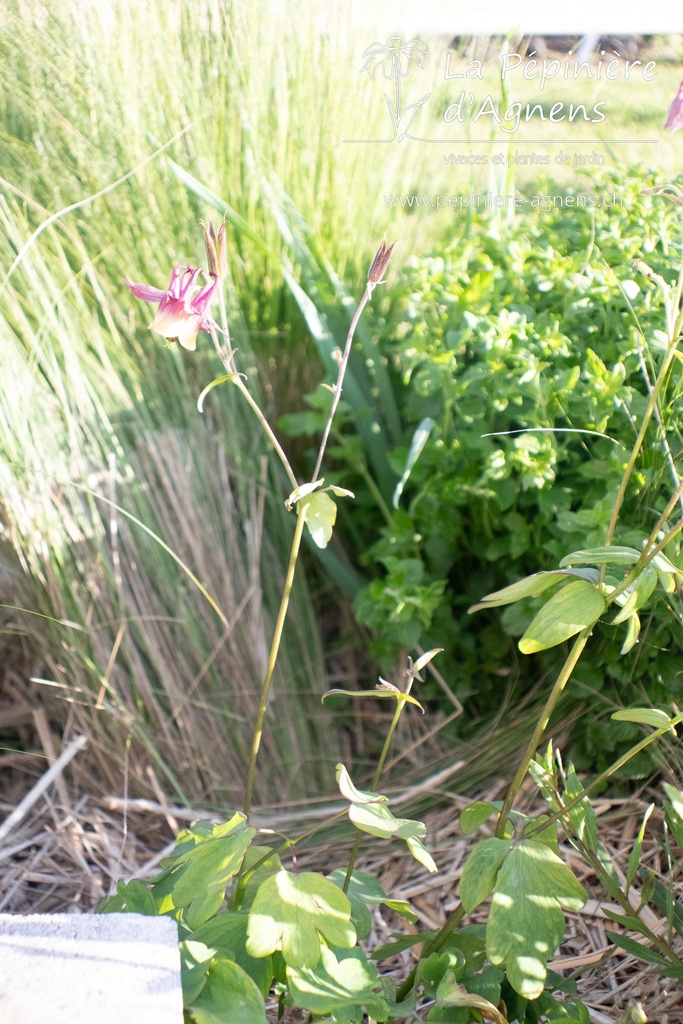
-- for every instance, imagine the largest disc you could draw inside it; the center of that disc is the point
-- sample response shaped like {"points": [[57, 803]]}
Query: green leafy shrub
{"points": [[530, 354]]}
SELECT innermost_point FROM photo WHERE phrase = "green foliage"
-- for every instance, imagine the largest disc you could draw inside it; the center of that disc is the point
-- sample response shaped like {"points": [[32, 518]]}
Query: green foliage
{"points": [[226, 934], [342, 980], [369, 813], [576, 606], [517, 362], [294, 914], [530, 886], [228, 992]]}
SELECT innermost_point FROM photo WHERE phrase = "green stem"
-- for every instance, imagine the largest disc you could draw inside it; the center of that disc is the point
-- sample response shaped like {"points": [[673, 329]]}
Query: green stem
{"points": [[268, 429], [562, 680], [229, 363], [648, 554], [375, 491], [400, 704], [433, 946], [337, 390], [272, 657]]}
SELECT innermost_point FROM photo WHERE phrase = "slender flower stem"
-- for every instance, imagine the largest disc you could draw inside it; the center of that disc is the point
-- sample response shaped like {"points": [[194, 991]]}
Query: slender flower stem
{"points": [[271, 436], [400, 704], [272, 657], [340, 379], [561, 682], [228, 362], [379, 264], [652, 401]]}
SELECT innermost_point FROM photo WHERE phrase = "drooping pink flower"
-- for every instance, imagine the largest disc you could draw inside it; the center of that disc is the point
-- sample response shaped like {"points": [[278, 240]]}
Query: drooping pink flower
{"points": [[183, 308], [674, 119]]}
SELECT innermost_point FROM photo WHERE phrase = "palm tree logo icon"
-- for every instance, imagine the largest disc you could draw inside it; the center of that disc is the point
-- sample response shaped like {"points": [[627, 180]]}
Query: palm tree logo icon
{"points": [[395, 57]]}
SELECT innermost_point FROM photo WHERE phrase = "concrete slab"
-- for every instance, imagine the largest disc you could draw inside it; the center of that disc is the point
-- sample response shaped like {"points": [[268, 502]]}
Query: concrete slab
{"points": [[89, 969]]}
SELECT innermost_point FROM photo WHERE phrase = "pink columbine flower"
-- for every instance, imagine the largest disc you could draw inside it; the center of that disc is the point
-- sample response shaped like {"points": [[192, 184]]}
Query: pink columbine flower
{"points": [[674, 119], [183, 308]]}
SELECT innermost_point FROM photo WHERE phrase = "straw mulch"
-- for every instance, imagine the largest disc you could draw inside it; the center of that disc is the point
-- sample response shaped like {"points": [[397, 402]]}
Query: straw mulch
{"points": [[62, 854]]}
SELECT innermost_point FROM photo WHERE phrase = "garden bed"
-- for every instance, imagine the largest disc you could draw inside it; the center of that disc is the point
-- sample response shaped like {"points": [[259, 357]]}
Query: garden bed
{"points": [[65, 858]]}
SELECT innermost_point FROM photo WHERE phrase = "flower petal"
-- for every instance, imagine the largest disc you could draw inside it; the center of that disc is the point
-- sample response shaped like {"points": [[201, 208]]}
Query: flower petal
{"points": [[203, 298], [145, 291]]}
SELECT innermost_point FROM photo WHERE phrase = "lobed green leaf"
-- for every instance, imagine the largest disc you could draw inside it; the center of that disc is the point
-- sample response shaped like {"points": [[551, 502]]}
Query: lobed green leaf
{"points": [[228, 994], [526, 922], [294, 914]]}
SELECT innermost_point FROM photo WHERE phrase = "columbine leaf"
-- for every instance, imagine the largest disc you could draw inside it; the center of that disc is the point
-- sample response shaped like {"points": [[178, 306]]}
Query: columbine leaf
{"points": [[195, 960], [474, 815], [293, 913], [302, 492], [364, 890], [531, 586], [676, 798], [198, 877], [526, 922], [369, 813], [664, 565], [425, 658], [381, 693], [481, 871], [228, 994], [639, 594], [450, 993], [421, 853], [269, 867], [351, 793], [610, 555], [632, 633], [572, 609], [211, 386], [644, 716], [320, 517], [403, 909], [340, 979], [137, 899], [377, 820], [227, 934], [341, 492]]}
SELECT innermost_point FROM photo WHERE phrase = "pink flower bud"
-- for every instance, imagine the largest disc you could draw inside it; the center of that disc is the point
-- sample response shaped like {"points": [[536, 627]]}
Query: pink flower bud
{"points": [[216, 255], [380, 263]]}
